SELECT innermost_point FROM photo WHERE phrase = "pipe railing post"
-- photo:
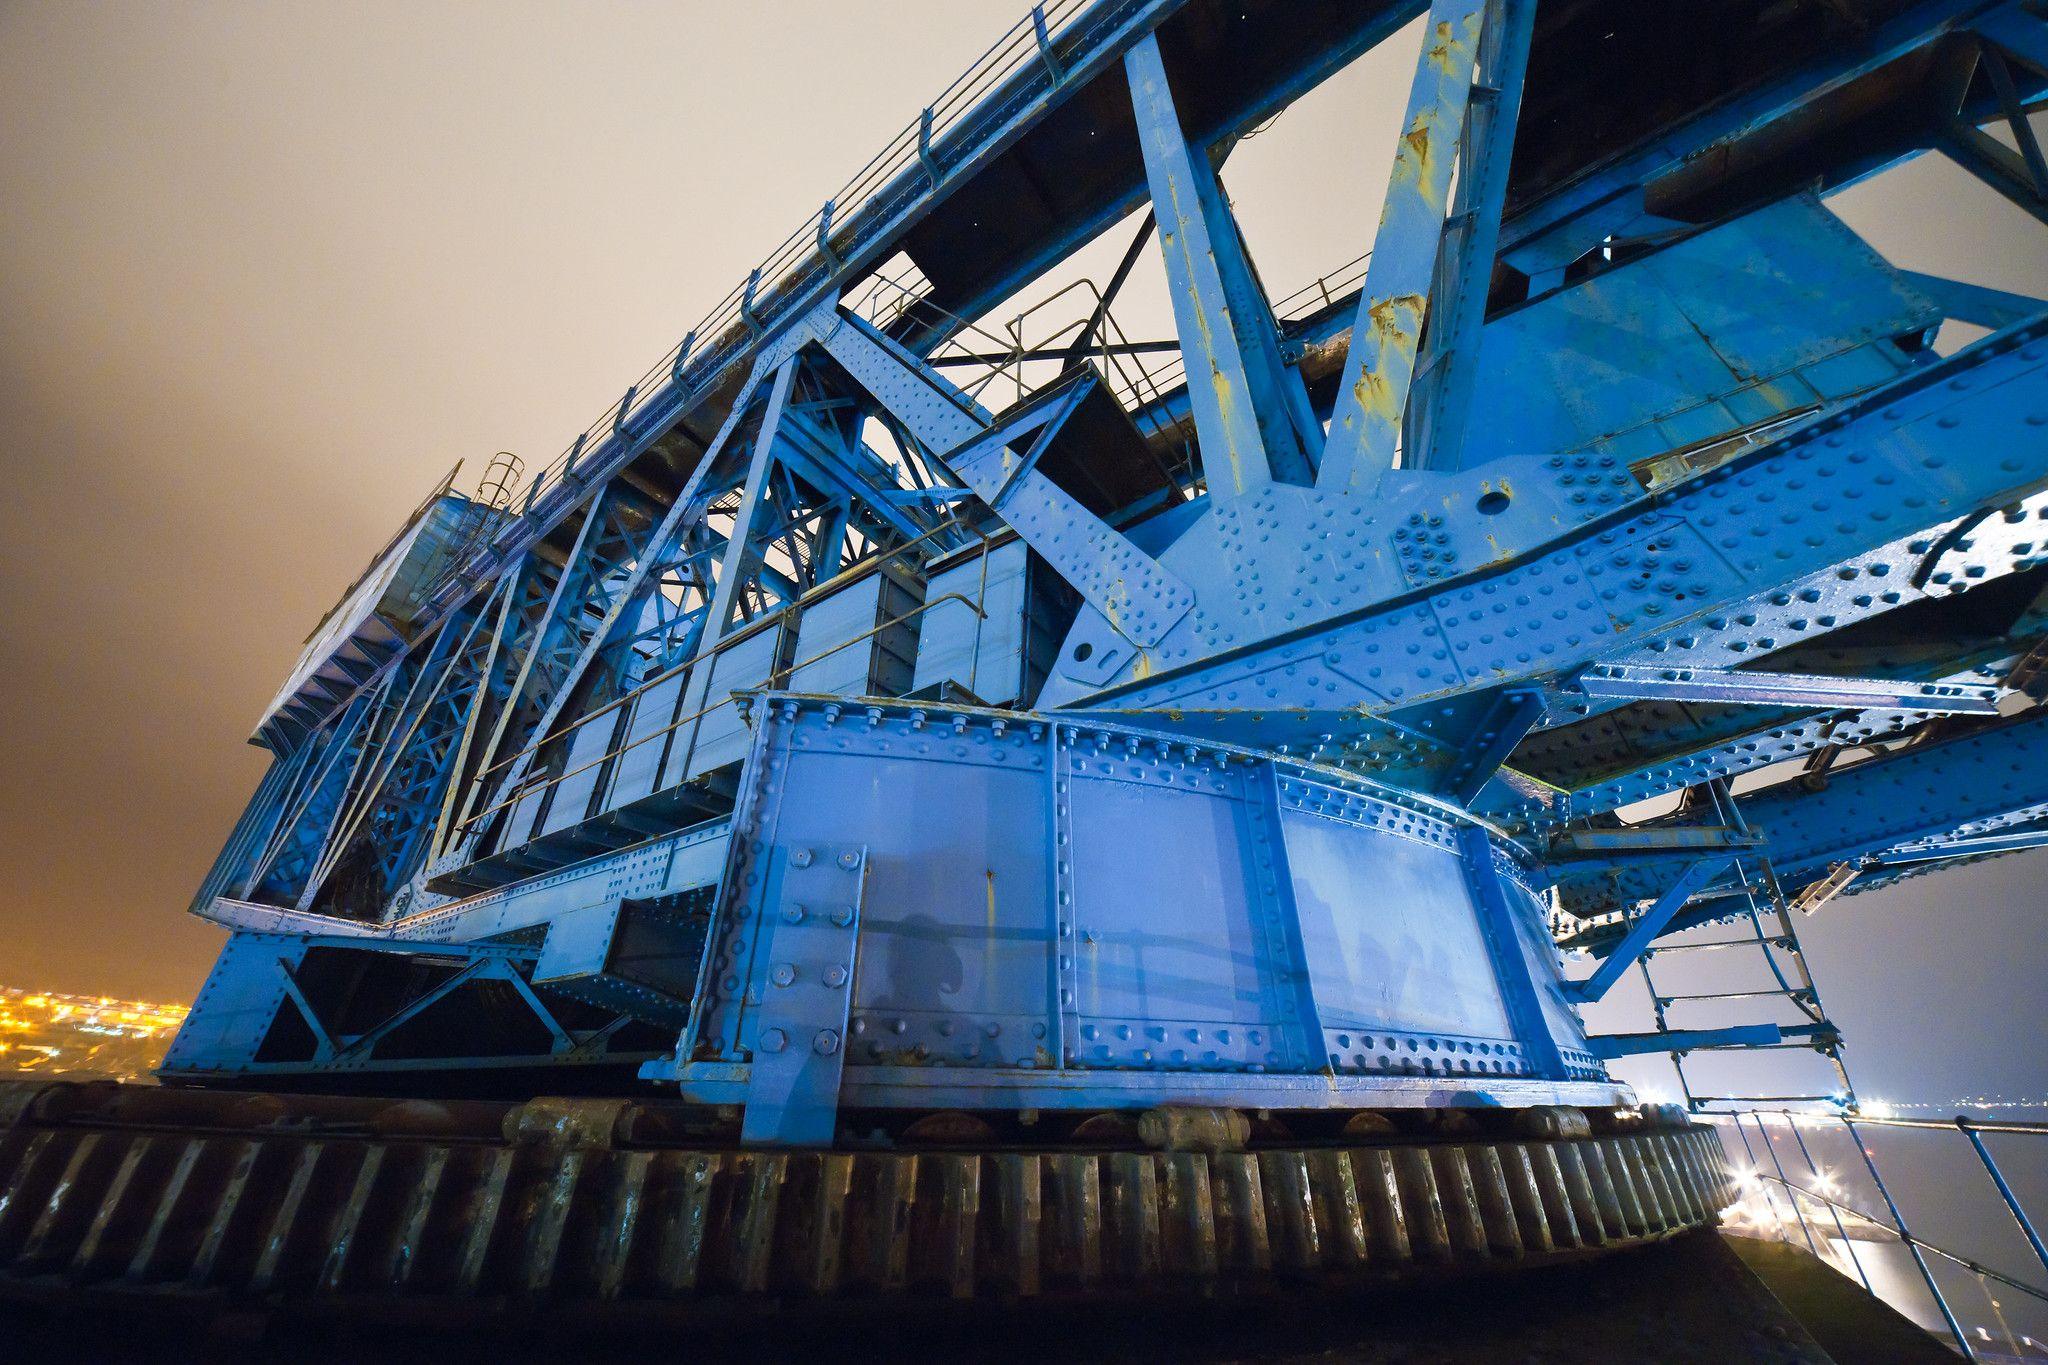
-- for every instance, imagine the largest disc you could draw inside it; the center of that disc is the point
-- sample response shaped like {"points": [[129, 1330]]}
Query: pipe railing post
{"points": [[2012, 1203], [1847, 1245], [1912, 1244]]}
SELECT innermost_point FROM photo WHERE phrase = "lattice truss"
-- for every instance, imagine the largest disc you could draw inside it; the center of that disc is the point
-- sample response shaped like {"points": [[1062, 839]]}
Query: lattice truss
{"points": [[1621, 547]]}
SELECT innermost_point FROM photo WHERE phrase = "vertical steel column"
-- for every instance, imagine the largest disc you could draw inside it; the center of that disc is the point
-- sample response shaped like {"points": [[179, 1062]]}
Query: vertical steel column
{"points": [[1366, 422], [1251, 415], [1498, 922], [1442, 402], [1833, 1212]]}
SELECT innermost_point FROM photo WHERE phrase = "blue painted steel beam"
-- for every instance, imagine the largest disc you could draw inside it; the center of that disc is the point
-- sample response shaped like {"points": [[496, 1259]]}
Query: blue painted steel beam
{"points": [[1447, 375], [1611, 1045], [1372, 394], [1918, 794], [1251, 413], [1949, 438], [1961, 848], [1660, 682], [1645, 929]]}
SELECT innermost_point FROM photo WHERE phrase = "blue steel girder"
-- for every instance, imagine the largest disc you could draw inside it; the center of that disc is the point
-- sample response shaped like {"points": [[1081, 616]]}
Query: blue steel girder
{"points": [[1984, 774], [1251, 412], [1415, 621], [1664, 682], [1139, 600], [614, 534], [1573, 217], [262, 975], [1959, 607], [2019, 172], [1960, 437], [302, 830], [1446, 373], [392, 803], [321, 759], [1093, 45], [527, 590], [679, 529], [796, 447], [1372, 394]]}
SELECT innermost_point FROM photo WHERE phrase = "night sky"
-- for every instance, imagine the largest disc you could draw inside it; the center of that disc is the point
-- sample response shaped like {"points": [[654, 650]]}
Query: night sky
{"points": [[267, 271]]}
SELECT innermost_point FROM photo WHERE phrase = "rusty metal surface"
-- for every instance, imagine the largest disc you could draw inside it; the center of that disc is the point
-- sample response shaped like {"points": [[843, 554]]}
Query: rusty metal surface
{"points": [[270, 1200]]}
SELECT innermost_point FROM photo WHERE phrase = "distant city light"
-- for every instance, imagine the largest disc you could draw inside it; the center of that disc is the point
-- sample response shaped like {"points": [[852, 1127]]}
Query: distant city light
{"points": [[49, 1034]]}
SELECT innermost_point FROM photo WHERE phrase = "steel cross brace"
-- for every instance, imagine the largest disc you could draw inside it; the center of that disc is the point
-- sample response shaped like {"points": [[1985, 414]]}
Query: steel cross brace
{"points": [[1645, 929], [1251, 412]]}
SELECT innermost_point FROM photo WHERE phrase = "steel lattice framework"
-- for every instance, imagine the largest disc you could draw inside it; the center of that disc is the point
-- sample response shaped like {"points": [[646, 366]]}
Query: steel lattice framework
{"points": [[1242, 722]]}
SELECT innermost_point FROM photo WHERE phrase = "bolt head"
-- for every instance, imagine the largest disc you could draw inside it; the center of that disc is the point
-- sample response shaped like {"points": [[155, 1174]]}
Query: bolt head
{"points": [[774, 1040], [826, 1043], [835, 976], [799, 857], [784, 974]]}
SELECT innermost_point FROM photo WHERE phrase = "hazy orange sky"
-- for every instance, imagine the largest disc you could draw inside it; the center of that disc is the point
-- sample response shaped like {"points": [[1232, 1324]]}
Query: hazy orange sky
{"points": [[268, 269]]}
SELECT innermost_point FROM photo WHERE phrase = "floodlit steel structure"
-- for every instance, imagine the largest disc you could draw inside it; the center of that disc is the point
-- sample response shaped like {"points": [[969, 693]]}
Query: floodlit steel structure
{"points": [[1239, 725]]}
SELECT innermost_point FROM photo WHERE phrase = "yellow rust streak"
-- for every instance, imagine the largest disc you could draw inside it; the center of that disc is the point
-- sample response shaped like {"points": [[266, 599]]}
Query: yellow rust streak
{"points": [[989, 966], [1396, 323], [1186, 207]]}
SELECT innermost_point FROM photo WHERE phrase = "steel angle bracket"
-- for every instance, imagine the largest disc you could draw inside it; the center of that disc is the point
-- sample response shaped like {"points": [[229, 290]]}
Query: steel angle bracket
{"points": [[811, 924]]}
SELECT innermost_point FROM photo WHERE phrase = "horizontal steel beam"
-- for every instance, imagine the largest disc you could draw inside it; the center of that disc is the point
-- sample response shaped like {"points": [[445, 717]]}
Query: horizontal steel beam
{"points": [[1656, 682], [1961, 848], [1611, 1045]]}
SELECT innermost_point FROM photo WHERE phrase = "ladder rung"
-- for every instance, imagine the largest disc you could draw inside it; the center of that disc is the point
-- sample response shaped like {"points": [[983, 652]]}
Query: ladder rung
{"points": [[1778, 941], [1741, 995]]}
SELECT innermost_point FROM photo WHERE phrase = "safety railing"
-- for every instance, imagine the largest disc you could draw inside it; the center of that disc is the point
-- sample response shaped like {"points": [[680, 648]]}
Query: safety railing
{"points": [[1051, 38], [1798, 1184], [541, 782]]}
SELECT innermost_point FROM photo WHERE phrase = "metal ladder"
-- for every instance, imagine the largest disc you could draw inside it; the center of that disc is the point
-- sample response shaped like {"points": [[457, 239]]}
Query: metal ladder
{"points": [[1760, 897]]}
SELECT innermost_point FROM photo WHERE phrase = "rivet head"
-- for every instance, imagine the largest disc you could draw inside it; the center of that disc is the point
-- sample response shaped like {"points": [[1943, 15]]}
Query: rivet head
{"points": [[799, 857], [826, 1043], [774, 1040], [784, 974]]}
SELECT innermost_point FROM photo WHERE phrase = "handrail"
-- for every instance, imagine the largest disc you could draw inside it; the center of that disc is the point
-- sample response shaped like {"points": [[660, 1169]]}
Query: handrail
{"points": [[738, 637], [692, 366], [1974, 1267], [525, 789], [528, 789], [1960, 1121], [1896, 1225]]}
